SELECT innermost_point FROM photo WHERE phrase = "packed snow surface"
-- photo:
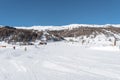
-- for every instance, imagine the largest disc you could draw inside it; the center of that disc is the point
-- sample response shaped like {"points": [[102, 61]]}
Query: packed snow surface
{"points": [[59, 61]]}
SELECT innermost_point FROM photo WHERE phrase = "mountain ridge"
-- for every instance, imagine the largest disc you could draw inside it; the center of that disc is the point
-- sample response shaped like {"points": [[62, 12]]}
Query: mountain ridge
{"points": [[109, 33], [67, 26]]}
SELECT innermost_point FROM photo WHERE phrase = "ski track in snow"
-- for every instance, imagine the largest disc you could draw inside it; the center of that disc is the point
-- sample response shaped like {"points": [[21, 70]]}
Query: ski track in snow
{"points": [[59, 61]]}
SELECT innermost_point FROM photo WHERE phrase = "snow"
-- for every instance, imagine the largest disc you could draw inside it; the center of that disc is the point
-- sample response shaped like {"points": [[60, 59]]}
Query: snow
{"points": [[70, 26], [60, 61], [99, 40], [106, 48]]}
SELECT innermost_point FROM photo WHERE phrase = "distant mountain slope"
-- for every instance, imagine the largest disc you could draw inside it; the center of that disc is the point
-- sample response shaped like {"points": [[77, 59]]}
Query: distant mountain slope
{"points": [[92, 35], [82, 33], [71, 26], [13, 35]]}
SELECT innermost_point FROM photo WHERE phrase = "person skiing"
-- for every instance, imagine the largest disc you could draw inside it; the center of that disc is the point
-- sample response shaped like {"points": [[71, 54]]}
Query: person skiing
{"points": [[25, 48], [14, 47]]}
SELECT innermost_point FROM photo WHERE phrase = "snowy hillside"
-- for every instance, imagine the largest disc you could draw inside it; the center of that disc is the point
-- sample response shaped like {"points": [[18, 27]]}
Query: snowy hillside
{"points": [[59, 61], [82, 33], [71, 26], [99, 40]]}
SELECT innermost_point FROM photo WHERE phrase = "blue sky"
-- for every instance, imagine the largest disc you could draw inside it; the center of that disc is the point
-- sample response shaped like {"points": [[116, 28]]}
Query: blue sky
{"points": [[59, 12]]}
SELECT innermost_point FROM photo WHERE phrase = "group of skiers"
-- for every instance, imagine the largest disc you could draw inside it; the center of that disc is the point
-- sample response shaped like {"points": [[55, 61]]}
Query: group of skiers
{"points": [[25, 49]]}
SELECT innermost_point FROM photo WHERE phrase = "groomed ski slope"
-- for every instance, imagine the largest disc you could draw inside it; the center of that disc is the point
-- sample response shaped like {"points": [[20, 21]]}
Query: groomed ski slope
{"points": [[60, 61]]}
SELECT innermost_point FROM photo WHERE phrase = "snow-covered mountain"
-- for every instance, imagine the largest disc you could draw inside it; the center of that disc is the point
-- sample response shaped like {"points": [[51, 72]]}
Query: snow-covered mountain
{"points": [[86, 34], [71, 26]]}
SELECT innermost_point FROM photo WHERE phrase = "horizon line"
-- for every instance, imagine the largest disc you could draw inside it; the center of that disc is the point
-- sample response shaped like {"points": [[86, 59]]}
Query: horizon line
{"points": [[58, 25]]}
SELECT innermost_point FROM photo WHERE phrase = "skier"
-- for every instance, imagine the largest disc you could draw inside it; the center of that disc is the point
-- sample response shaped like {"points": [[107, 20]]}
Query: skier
{"points": [[25, 48], [14, 47]]}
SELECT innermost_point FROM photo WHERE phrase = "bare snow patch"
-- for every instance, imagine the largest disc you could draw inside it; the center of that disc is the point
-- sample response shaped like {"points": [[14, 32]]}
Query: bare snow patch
{"points": [[106, 48]]}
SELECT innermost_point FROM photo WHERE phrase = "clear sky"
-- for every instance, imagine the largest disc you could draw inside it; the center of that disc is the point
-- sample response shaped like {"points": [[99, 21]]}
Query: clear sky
{"points": [[59, 12]]}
